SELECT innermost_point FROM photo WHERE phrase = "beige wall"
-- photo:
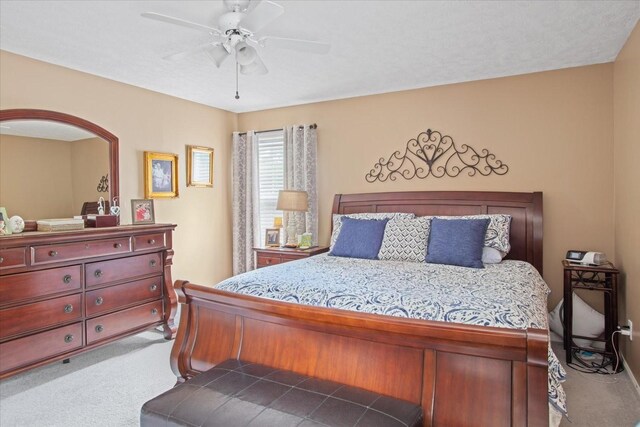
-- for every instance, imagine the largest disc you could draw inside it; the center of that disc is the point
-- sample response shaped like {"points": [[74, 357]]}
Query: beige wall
{"points": [[553, 129], [144, 120], [89, 163], [35, 177], [626, 120]]}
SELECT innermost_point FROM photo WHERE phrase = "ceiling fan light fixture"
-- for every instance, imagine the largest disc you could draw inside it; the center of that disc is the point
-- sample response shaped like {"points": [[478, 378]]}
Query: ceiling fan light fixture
{"points": [[245, 54]]}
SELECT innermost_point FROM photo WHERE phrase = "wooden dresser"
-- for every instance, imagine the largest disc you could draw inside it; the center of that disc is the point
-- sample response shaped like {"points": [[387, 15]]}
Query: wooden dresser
{"points": [[63, 293]]}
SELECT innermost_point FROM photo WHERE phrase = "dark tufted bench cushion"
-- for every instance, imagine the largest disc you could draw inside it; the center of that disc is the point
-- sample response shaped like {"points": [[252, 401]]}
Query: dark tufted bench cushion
{"points": [[236, 393]]}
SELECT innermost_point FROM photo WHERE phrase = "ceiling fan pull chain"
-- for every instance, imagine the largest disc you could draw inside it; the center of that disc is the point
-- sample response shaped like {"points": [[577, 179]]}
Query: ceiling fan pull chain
{"points": [[237, 67]]}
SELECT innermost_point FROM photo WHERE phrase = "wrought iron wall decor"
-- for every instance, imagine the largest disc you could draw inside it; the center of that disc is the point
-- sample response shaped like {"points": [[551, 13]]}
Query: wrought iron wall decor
{"points": [[103, 185], [431, 153]]}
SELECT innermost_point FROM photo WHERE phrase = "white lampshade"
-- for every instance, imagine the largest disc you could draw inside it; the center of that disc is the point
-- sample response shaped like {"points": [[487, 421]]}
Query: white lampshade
{"points": [[292, 200], [245, 54]]}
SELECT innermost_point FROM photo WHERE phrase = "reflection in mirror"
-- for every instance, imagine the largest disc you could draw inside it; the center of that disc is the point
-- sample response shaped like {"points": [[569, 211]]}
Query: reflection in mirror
{"points": [[49, 169]]}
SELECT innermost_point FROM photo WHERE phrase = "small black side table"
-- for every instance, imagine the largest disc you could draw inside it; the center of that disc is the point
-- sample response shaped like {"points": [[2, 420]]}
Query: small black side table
{"points": [[603, 278]]}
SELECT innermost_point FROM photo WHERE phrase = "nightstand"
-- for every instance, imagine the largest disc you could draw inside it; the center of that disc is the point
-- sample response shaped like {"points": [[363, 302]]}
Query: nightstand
{"points": [[271, 256], [604, 279]]}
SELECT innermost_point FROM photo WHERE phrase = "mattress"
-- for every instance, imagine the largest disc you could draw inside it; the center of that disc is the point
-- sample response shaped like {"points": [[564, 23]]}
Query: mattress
{"points": [[511, 294]]}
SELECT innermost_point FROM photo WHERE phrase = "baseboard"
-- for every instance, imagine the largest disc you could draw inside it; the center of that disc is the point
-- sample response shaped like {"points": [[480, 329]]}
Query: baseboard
{"points": [[633, 378]]}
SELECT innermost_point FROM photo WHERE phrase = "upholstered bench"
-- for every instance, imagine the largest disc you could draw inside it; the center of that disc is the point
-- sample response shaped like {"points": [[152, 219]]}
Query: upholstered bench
{"points": [[236, 393]]}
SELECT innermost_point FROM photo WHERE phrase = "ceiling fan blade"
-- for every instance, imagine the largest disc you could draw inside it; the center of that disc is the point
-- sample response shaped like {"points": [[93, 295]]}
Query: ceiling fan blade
{"points": [[256, 67], [296, 44], [265, 12], [218, 53], [176, 56], [181, 22]]}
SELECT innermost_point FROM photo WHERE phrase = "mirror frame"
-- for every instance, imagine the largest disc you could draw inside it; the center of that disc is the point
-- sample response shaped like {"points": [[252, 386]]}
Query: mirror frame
{"points": [[54, 116]]}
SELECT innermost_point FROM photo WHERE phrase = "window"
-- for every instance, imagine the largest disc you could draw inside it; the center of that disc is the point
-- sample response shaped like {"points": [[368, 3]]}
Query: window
{"points": [[270, 177]]}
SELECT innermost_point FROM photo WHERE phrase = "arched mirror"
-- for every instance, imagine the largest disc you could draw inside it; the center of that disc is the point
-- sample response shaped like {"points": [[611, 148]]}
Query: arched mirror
{"points": [[51, 163]]}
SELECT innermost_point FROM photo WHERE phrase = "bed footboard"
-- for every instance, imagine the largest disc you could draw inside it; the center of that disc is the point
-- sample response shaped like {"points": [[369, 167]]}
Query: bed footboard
{"points": [[461, 375]]}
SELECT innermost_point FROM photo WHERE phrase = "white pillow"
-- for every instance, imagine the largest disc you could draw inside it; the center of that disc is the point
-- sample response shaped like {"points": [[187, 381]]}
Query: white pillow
{"points": [[491, 255], [337, 220], [587, 321]]}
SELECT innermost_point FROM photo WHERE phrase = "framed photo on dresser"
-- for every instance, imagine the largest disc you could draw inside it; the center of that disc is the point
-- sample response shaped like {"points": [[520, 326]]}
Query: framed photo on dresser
{"points": [[142, 212]]}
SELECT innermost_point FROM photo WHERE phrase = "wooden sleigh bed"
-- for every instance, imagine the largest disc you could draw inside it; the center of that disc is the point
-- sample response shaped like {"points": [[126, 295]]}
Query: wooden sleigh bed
{"points": [[461, 375]]}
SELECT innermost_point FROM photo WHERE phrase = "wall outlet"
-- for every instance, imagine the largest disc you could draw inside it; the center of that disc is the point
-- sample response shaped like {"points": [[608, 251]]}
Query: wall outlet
{"points": [[627, 329]]}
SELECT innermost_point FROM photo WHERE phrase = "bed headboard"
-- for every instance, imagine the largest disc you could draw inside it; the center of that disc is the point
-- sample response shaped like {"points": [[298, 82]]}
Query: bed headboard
{"points": [[524, 208]]}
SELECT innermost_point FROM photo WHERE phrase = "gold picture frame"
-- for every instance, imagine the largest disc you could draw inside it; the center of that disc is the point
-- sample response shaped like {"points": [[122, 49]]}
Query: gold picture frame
{"points": [[160, 175], [199, 166]]}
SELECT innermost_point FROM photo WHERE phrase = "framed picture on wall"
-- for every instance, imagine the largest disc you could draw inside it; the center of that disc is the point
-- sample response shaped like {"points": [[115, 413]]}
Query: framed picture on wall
{"points": [[199, 166], [142, 212], [160, 175]]}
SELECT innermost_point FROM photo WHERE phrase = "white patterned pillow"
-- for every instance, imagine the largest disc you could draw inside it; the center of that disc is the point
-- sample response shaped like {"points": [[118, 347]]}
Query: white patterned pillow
{"points": [[497, 236], [337, 220], [405, 239]]}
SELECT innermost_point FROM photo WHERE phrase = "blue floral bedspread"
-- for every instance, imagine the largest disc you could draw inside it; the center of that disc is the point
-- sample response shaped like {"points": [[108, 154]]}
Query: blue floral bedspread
{"points": [[510, 295]]}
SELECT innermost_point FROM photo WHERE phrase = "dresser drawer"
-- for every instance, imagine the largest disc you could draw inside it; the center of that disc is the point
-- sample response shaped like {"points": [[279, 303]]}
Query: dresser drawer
{"points": [[14, 257], [149, 241], [122, 321], [69, 251], [24, 286], [104, 272], [39, 315], [114, 297], [267, 260], [34, 348]]}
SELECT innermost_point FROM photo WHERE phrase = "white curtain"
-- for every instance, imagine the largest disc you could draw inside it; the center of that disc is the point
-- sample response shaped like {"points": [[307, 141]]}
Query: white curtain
{"points": [[245, 201], [300, 148]]}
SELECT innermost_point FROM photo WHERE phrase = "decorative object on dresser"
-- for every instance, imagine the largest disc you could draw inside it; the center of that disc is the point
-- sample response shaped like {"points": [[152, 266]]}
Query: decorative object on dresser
{"points": [[603, 279], [199, 166], [5, 225], [271, 256], [272, 237], [160, 175], [17, 224], [431, 153], [62, 293], [292, 202], [142, 211]]}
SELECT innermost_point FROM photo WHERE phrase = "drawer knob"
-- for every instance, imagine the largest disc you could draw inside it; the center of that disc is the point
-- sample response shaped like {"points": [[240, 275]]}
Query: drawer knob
{"points": [[99, 328], [152, 241], [68, 308], [97, 273], [1, 260], [153, 263], [117, 245], [154, 311], [152, 288], [67, 278], [53, 253], [68, 338], [268, 261], [99, 301]]}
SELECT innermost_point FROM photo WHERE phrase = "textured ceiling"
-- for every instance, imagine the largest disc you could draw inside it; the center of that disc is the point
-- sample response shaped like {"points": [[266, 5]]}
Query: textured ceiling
{"points": [[377, 46]]}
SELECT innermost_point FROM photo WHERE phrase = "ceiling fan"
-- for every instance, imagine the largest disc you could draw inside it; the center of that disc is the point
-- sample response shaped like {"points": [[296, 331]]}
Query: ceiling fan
{"points": [[236, 35]]}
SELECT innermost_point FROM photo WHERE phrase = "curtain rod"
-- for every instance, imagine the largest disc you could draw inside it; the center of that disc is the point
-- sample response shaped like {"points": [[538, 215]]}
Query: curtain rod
{"points": [[312, 126]]}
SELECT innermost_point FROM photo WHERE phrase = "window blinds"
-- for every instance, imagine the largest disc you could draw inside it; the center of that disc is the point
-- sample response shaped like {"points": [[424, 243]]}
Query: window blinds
{"points": [[270, 176]]}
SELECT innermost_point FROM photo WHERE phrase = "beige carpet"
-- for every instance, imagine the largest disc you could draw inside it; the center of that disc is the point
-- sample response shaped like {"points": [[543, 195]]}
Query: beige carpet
{"points": [[107, 387], [595, 400], [104, 387]]}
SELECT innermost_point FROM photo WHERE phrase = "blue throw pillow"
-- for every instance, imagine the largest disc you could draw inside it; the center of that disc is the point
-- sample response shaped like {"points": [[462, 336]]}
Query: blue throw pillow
{"points": [[359, 238], [457, 242]]}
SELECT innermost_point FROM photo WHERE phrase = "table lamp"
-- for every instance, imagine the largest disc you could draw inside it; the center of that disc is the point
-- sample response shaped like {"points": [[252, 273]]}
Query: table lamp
{"points": [[292, 201]]}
